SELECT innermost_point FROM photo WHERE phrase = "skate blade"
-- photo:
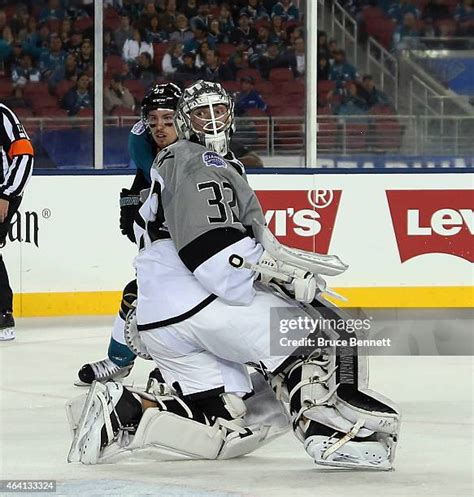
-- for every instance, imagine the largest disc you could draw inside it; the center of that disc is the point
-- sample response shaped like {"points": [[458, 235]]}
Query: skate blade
{"points": [[74, 452], [7, 335], [128, 384]]}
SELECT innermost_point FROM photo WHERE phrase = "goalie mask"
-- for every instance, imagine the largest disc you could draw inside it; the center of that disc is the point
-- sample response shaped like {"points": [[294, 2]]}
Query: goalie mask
{"points": [[160, 97], [205, 113]]}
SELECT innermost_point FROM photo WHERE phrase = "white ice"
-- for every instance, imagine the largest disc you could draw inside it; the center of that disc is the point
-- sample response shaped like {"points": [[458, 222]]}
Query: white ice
{"points": [[37, 372]]}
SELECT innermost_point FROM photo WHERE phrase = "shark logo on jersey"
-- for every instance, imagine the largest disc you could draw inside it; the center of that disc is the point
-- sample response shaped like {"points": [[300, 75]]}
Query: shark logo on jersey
{"points": [[213, 159]]}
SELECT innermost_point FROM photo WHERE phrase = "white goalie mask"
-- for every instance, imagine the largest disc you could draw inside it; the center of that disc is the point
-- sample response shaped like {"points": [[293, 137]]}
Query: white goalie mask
{"points": [[205, 111]]}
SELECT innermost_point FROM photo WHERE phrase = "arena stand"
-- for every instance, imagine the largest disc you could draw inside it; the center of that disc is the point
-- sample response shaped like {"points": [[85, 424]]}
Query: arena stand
{"points": [[37, 77]]}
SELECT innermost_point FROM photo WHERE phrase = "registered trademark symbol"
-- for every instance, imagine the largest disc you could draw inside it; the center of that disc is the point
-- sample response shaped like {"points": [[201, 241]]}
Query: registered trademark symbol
{"points": [[46, 213], [320, 198]]}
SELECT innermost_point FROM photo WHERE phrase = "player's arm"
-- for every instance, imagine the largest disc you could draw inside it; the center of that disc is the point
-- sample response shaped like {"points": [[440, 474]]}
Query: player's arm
{"points": [[141, 154], [207, 218]]}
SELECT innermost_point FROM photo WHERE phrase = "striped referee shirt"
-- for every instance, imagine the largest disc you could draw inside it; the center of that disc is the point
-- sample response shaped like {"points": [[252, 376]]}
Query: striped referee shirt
{"points": [[17, 154]]}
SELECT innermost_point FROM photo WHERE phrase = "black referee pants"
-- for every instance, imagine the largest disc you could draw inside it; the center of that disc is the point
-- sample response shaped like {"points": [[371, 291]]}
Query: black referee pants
{"points": [[6, 294]]}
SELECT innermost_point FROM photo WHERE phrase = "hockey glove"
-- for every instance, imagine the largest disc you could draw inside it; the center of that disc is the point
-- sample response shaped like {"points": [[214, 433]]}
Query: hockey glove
{"points": [[129, 204]]}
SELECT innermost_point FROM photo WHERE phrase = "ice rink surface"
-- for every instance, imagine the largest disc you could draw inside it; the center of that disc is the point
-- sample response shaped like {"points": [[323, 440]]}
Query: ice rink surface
{"points": [[37, 371]]}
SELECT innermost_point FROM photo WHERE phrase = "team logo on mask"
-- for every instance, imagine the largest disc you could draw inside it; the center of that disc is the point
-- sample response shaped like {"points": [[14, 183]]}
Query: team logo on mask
{"points": [[213, 159]]}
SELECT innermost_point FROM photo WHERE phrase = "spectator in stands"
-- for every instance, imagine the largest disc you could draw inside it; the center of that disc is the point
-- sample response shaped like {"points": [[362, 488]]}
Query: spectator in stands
{"points": [[341, 71], [333, 48], [53, 12], [19, 21], [79, 97], [85, 59], [260, 46], [188, 70], [214, 32], [244, 35], [286, 10], [323, 49], [397, 10], [68, 71], [248, 97], [352, 103], [236, 62], [204, 13], [25, 72], [172, 60], [31, 35], [323, 68], [297, 58], [182, 33], [149, 10], [293, 33], [3, 20], [124, 32], [117, 95], [226, 21], [371, 94], [436, 10], [214, 69], [429, 30], [17, 99], [408, 29], [168, 18], [75, 41], [36, 41], [136, 45], [65, 31], [256, 10], [189, 8], [201, 55], [271, 59], [52, 58], [200, 36], [153, 32], [109, 45], [144, 69], [464, 16], [277, 32], [6, 43], [14, 58]]}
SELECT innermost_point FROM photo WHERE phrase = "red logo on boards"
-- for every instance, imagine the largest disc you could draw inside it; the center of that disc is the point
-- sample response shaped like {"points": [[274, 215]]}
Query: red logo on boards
{"points": [[433, 221], [301, 218]]}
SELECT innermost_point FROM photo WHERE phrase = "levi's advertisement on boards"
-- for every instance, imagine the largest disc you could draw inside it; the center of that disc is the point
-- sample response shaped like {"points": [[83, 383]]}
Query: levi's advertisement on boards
{"points": [[302, 219], [433, 221]]}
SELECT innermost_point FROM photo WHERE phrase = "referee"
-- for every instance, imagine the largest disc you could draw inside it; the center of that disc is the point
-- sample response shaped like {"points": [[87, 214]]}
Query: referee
{"points": [[17, 165]]}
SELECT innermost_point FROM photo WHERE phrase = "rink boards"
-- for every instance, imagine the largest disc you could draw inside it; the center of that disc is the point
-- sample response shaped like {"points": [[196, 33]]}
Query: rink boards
{"points": [[407, 238]]}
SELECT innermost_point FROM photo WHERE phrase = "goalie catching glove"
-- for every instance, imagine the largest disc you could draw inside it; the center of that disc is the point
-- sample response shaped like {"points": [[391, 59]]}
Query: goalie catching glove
{"points": [[129, 203], [292, 271]]}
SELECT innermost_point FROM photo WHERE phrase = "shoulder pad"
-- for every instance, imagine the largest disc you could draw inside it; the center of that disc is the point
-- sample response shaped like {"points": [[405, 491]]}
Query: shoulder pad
{"points": [[138, 128]]}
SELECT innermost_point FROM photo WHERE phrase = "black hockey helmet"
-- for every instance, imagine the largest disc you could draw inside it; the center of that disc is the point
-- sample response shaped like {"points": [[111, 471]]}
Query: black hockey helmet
{"points": [[160, 96]]}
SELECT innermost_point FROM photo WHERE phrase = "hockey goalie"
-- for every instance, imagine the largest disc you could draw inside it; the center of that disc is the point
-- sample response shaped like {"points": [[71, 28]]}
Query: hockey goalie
{"points": [[209, 275]]}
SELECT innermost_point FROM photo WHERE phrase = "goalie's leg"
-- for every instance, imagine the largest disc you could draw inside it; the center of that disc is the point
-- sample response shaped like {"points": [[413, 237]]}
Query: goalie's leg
{"points": [[316, 384], [120, 358]]}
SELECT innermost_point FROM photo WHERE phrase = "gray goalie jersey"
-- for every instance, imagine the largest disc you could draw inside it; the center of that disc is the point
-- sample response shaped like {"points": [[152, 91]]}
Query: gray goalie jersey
{"points": [[198, 213]]}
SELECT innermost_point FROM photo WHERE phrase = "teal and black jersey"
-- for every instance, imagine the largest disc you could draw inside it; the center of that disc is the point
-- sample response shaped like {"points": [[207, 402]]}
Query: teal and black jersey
{"points": [[142, 149]]}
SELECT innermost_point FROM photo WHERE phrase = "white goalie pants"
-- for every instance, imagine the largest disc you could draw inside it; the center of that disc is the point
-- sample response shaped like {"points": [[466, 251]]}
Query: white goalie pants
{"points": [[210, 349]]}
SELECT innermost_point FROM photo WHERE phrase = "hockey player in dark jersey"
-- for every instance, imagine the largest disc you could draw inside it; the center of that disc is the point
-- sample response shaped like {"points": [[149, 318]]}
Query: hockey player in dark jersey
{"points": [[153, 132], [210, 274]]}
